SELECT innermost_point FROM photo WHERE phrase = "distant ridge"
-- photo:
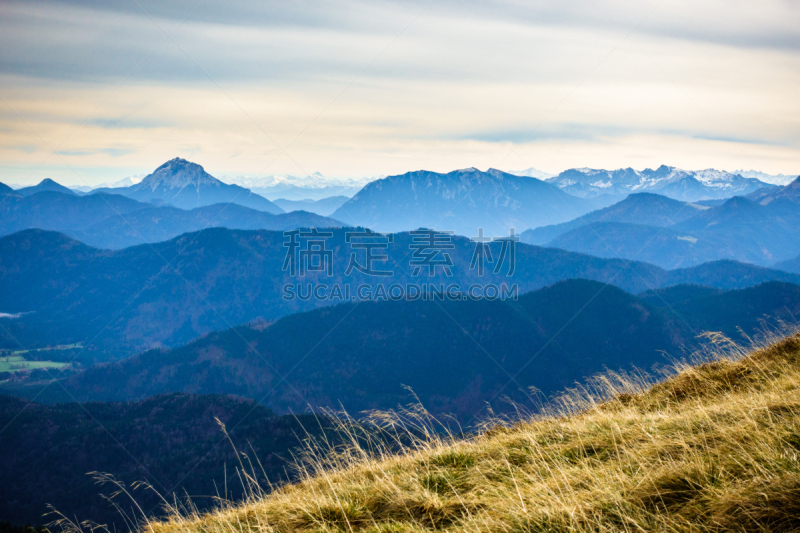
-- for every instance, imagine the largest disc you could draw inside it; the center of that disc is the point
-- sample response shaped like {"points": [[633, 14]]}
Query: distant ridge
{"points": [[790, 265], [380, 346], [314, 186], [45, 185], [323, 206], [5, 189], [113, 221], [231, 277], [533, 173], [790, 192], [639, 208], [760, 229]]}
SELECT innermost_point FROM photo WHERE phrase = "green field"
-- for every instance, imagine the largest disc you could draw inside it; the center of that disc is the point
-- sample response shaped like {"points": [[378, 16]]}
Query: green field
{"points": [[12, 363], [60, 347]]}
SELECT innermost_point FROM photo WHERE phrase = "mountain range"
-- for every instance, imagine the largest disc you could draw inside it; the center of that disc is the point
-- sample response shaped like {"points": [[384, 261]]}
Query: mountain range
{"points": [[466, 199], [638, 208], [124, 182], [788, 195], [790, 265], [323, 206], [463, 201], [113, 221], [685, 185], [533, 173], [46, 185], [187, 185], [758, 229], [295, 188], [178, 298], [455, 355], [120, 302], [775, 179]]}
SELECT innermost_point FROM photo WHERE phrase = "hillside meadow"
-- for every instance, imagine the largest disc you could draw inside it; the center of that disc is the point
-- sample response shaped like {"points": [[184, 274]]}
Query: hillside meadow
{"points": [[714, 447]]}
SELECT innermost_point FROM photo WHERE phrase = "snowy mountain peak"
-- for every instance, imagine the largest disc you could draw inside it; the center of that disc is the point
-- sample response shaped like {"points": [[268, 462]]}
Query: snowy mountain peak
{"points": [[312, 181], [533, 173], [686, 185]]}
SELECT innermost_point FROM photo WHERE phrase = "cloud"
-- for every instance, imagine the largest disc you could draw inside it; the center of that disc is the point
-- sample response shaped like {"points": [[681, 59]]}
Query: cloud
{"points": [[364, 88]]}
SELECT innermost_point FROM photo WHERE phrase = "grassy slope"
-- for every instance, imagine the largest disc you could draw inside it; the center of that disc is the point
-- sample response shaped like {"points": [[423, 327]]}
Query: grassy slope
{"points": [[714, 448]]}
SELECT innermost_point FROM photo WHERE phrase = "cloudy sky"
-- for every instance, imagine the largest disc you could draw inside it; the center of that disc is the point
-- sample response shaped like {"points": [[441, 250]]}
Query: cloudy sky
{"points": [[93, 91]]}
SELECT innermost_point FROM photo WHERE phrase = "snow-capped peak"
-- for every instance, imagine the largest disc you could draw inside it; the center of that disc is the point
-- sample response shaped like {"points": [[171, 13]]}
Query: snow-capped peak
{"points": [[533, 173], [315, 180]]}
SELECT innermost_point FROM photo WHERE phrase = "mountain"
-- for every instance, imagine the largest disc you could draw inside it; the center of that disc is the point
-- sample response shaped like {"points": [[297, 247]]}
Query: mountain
{"points": [[758, 229], [64, 212], [725, 273], [717, 310], [684, 185], [295, 188], [712, 203], [790, 265], [462, 201], [114, 221], [46, 185], [456, 356], [187, 185], [774, 179], [640, 208], [124, 182], [297, 193], [156, 224], [657, 245], [324, 206], [789, 193], [533, 173], [748, 231], [5, 189], [172, 441], [678, 294], [164, 294]]}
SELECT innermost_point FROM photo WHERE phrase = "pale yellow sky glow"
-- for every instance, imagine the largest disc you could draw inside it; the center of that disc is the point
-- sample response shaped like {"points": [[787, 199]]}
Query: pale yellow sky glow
{"points": [[356, 89]]}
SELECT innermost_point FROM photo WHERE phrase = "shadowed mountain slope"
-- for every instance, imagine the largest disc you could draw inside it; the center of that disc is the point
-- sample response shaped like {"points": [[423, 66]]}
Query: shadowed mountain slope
{"points": [[790, 265], [171, 441], [743, 229], [124, 301], [323, 206], [114, 221], [456, 356], [641, 208]]}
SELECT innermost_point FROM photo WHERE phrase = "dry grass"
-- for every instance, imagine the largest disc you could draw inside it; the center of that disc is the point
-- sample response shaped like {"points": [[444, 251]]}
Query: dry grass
{"points": [[714, 448]]}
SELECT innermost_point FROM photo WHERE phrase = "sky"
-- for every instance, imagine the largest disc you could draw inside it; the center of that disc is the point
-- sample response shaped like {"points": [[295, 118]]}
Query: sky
{"points": [[94, 91]]}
